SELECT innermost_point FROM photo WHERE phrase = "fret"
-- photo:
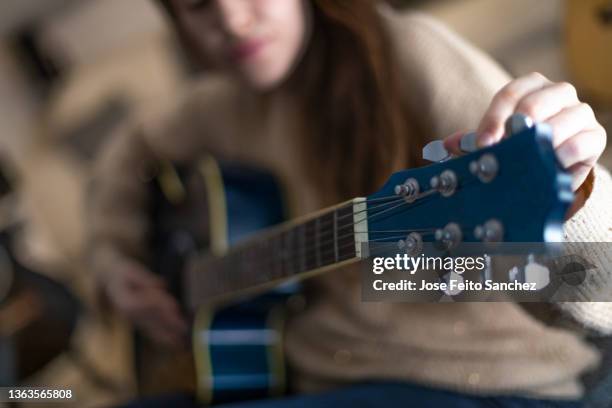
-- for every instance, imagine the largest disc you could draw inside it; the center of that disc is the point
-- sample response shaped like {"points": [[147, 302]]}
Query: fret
{"points": [[277, 250], [309, 247], [302, 247], [290, 254], [285, 254], [295, 251], [265, 255], [335, 235], [317, 241], [326, 239], [278, 255], [346, 238], [271, 250]]}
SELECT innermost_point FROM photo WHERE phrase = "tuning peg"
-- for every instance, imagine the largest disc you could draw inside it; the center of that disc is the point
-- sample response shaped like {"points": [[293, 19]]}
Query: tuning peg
{"points": [[449, 237], [435, 151], [517, 123], [468, 143]]}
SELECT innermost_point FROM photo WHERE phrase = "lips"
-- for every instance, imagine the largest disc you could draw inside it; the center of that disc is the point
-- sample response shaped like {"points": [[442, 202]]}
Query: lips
{"points": [[246, 50]]}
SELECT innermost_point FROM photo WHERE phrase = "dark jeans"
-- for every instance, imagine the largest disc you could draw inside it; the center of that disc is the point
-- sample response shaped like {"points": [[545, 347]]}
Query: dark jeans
{"points": [[370, 395]]}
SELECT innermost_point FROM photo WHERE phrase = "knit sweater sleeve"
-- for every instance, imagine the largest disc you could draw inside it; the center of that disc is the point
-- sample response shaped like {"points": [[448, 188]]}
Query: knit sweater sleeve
{"points": [[591, 231]]}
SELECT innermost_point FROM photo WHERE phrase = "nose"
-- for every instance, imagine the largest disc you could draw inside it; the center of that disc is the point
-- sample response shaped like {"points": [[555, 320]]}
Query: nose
{"points": [[236, 16]]}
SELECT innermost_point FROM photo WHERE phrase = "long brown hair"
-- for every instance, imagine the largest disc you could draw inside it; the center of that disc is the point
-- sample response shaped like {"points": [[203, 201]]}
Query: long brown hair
{"points": [[357, 128]]}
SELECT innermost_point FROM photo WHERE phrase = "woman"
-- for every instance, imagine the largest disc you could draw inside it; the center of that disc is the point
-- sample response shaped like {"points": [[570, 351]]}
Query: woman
{"points": [[333, 96]]}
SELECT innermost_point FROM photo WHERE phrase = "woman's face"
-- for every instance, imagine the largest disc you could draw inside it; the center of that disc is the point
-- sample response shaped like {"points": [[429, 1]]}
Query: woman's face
{"points": [[260, 40]]}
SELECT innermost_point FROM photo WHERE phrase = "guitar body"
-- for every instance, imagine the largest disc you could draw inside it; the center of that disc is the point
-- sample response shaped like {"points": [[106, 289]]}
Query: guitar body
{"points": [[236, 351]]}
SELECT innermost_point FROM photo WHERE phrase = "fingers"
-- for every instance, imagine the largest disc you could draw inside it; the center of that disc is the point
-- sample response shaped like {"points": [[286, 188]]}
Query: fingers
{"points": [[169, 313], [452, 143], [153, 330], [579, 172], [137, 276], [549, 100], [581, 150], [160, 317], [571, 121], [141, 296], [585, 147], [578, 138], [169, 329], [504, 104]]}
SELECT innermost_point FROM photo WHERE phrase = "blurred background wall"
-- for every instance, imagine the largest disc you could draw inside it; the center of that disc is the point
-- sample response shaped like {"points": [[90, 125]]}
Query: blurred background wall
{"points": [[71, 71]]}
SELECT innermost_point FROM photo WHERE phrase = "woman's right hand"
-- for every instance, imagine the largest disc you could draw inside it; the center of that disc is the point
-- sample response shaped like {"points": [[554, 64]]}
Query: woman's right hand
{"points": [[142, 297]]}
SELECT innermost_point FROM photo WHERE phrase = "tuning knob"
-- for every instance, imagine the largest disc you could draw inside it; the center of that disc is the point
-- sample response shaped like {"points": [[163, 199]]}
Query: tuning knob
{"points": [[485, 168], [435, 151], [413, 244], [490, 231], [449, 237], [446, 183], [409, 190], [468, 142], [517, 123]]}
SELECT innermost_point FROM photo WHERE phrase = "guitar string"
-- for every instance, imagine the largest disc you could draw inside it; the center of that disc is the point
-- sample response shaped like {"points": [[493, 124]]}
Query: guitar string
{"points": [[396, 196], [307, 250], [377, 215], [268, 264], [319, 243], [423, 231], [467, 183], [285, 273], [292, 273], [229, 289], [310, 250], [372, 210], [393, 199], [271, 262], [343, 227]]}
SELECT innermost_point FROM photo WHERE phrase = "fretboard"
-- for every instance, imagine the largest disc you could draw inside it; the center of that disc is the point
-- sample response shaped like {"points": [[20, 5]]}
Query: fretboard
{"points": [[292, 250]]}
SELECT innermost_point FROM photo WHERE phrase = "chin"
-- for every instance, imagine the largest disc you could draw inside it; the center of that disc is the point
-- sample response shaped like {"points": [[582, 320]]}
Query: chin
{"points": [[264, 86], [262, 83], [266, 78]]}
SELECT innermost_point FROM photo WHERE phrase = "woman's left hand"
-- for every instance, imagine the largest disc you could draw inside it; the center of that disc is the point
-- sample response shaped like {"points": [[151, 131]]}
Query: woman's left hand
{"points": [[578, 139]]}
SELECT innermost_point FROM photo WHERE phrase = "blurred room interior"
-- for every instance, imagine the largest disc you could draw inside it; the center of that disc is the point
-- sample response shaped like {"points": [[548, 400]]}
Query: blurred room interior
{"points": [[71, 72]]}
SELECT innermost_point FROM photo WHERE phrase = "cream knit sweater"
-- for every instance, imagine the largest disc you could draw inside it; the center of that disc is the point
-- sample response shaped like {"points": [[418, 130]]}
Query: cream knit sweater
{"points": [[485, 348]]}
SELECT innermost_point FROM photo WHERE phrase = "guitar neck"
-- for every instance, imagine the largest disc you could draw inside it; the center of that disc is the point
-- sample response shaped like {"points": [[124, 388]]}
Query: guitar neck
{"points": [[297, 249]]}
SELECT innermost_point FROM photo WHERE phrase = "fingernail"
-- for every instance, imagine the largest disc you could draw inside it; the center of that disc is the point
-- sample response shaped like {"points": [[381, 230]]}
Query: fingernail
{"points": [[486, 139]]}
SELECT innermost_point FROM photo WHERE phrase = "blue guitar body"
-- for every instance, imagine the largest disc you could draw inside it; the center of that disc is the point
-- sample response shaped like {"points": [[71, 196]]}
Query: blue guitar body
{"points": [[237, 349]]}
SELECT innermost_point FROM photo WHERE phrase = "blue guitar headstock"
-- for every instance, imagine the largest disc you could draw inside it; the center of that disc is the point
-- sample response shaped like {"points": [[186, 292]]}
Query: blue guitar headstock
{"points": [[513, 191]]}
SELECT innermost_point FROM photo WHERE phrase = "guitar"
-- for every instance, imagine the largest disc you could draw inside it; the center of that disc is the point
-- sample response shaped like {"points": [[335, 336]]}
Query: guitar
{"points": [[588, 37], [209, 247]]}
